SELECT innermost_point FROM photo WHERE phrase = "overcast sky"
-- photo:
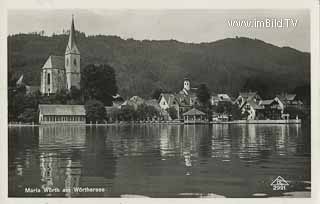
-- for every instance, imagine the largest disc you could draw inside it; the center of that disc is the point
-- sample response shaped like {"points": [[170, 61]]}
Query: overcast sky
{"points": [[182, 25]]}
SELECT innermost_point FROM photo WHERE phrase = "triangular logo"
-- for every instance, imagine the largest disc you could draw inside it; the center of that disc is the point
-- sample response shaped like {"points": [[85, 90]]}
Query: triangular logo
{"points": [[279, 181]]}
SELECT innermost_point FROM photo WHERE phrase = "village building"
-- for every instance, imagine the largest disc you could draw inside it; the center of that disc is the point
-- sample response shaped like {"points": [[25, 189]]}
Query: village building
{"points": [[272, 109], [62, 72], [247, 96], [182, 101], [194, 116], [53, 114], [215, 99], [250, 109], [290, 100], [134, 101]]}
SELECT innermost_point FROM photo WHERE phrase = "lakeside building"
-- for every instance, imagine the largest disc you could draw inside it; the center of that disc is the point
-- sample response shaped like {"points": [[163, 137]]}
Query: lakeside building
{"points": [[290, 100], [182, 101], [62, 72], [66, 114], [194, 116], [271, 109]]}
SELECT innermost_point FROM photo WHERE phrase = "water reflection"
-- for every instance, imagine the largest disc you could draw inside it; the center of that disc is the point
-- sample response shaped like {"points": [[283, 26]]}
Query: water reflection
{"points": [[156, 160]]}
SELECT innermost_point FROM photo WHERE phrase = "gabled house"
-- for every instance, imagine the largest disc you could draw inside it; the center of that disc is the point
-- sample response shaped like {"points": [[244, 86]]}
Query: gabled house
{"points": [[247, 96], [290, 100], [272, 109], [180, 102], [216, 98], [251, 108]]}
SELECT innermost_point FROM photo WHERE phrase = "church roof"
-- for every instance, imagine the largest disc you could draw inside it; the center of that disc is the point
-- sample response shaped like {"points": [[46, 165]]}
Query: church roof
{"points": [[54, 62], [50, 109], [72, 47]]}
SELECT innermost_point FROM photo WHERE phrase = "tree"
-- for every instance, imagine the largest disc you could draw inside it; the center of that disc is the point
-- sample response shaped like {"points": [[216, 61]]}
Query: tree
{"points": [[173, 113], [99, 82], [127, 113], [203, 94], [61, 97], [28, 115], [227, 107], [95, 111], [156, 93], [74, 95]]}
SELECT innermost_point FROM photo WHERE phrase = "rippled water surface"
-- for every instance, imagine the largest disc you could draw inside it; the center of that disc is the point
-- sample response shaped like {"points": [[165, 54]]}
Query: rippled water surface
{"points": [[160, 160]]}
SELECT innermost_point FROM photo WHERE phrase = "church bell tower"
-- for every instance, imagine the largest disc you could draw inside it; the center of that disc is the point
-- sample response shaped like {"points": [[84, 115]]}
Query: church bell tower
{"points": [[72, 60]]}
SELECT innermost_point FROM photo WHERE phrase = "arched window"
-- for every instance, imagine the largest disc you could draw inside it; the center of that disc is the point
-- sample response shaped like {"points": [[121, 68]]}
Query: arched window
{"points": [[75, 62], [48, 78], [67, 63]]}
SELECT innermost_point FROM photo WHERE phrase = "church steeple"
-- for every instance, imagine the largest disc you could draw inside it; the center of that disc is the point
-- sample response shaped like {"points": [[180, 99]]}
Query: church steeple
{"points": [[72, 47], [72, 60]]}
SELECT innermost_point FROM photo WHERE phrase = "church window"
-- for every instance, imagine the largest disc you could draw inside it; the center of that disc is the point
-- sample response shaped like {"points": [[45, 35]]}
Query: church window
{"points": [[75, 62], [67, 62], [48, 78]]}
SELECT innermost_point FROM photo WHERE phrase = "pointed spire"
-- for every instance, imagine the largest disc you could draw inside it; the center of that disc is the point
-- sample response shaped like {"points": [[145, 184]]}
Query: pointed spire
{"points": [[72, 47]]}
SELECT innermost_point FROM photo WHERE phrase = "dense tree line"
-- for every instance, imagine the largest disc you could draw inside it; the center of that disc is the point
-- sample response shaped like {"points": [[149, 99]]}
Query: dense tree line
{"points": [[141, 66]]}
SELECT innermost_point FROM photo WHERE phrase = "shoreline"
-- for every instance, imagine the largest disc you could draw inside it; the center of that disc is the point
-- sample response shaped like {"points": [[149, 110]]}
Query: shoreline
{"points": [[246, 122]]}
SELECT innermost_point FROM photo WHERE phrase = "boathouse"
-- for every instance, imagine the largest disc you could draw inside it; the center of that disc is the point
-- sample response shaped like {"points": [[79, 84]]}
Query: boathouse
{"points": [[63, 114], [194, 116]]}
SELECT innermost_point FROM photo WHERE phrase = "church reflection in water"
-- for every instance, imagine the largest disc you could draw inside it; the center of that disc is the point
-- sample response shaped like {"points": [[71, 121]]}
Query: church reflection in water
{"points": [[73, 156]]}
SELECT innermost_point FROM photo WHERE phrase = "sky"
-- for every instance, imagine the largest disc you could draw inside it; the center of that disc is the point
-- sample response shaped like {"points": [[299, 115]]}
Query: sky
{"points": [[193, 26]]}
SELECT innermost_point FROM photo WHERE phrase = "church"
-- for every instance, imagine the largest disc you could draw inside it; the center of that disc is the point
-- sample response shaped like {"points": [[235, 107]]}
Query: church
{"points": [[62, 72]]}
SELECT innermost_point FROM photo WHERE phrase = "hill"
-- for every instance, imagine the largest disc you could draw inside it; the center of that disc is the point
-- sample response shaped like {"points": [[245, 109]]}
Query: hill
{"points": [[227, 65]]}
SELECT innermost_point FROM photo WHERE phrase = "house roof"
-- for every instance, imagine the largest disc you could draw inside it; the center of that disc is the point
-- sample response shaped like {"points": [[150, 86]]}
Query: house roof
{"points": [[266, 102], [54, 62], [254, 105], [248, 95], [170, 98], [287, 97], [50, 109], [194, 111]]}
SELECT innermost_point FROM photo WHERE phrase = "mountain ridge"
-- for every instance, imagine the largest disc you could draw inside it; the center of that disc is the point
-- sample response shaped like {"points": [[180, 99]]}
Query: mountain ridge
{"points": [[227, 65]]}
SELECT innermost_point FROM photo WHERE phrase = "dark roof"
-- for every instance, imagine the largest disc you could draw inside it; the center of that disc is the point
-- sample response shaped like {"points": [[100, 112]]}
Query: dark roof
{"points": [[49, 109], [194, 111], [54, 62]]}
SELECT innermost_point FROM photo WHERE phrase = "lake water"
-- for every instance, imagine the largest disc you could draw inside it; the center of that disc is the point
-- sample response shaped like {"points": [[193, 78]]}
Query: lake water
{"points": [[159, 160]]}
